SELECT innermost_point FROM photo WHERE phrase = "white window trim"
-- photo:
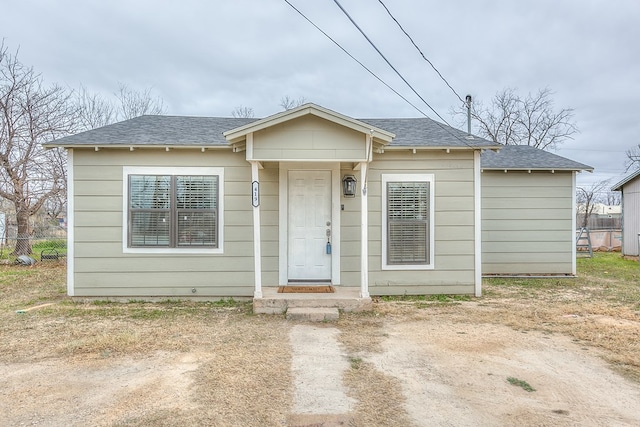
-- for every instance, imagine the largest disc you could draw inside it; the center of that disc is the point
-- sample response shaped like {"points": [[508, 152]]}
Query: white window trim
{"points": [[154, 170], [426, 177]]}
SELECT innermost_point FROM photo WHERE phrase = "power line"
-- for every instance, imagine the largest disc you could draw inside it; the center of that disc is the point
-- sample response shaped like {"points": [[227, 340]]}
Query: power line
{"points": [[355, 59], [388, 62], [420, 51], [446, 129]]}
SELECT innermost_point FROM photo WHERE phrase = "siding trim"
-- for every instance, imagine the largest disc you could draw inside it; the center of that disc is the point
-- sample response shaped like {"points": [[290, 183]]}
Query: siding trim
{"points": [[574, 213], [70, 225], [477, 191], [364, 232]]}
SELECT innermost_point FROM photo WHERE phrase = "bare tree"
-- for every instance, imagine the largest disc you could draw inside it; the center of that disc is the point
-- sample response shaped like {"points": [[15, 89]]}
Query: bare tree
{"points": [[612, 198], [30, 113], [94, 110], [242, 112], [97, 111], [587, 197], [633, 158], [133, 103], [511, 119], [288, 103]]}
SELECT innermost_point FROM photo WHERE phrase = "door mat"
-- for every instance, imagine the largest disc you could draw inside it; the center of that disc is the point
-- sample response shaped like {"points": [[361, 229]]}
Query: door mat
{"points": [[305, 289]]}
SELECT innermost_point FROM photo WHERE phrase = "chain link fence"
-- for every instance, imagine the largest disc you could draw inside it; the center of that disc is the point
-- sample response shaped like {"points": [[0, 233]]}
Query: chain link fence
{"points": [[43, 243]]}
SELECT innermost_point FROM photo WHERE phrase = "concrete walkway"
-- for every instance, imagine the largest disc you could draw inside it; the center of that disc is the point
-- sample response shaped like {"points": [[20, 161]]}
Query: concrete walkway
{"points": [[318, 364]]}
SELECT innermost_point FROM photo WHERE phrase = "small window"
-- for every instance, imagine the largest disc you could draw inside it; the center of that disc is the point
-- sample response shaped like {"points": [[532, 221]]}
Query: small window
{"points": [[408, 221], [172, 211]]}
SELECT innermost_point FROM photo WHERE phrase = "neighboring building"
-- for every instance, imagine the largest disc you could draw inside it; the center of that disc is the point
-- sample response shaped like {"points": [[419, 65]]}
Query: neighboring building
{"points": [[606, 210], [166, 206], [630, 188]]}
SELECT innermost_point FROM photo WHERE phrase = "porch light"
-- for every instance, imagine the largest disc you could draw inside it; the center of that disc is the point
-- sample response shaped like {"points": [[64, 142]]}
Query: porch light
{"points": [[349, 186]]}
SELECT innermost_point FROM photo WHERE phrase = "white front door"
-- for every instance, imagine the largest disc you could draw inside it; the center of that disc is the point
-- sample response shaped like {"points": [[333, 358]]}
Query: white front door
{"points": [[309, 219]]}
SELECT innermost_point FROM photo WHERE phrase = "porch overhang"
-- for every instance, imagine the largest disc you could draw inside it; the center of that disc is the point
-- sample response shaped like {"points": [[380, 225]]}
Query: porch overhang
{"points": [[239, 134]]}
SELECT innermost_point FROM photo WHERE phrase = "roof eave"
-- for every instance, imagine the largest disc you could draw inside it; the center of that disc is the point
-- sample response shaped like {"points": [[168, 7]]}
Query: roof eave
{"points": [[439, 147], [618, 186], [138, 146], [564, 169]]}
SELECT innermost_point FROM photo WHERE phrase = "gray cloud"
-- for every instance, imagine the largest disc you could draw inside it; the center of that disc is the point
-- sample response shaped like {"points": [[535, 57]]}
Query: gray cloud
{"points": [[205, 58]]}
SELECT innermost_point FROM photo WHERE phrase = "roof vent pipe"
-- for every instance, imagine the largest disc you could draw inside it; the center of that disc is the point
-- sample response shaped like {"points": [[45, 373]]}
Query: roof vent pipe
{"points": [[468, 99]]}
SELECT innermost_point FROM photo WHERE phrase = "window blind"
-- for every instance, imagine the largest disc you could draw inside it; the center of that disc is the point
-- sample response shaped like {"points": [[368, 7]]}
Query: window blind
{"points": [[407, 222]]}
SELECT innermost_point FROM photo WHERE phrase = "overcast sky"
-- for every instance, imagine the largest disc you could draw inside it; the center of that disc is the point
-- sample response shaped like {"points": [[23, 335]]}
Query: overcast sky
{"points": [[206, 57]]}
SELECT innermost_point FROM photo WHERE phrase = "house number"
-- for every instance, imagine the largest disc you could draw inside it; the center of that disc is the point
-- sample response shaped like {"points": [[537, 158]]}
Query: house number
{"points": [[255, 194]]}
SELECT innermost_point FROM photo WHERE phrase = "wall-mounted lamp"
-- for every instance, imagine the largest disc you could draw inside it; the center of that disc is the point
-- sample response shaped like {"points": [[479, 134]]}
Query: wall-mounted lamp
{"points": [[349, 186]]}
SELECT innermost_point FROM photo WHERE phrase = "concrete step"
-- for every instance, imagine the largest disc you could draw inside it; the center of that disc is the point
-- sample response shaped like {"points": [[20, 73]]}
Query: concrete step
{"points": [[345, 299], [313, 314]]}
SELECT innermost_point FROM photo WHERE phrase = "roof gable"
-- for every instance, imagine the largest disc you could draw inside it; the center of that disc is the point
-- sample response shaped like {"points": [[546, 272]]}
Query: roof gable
{"points": [[240, 133]]}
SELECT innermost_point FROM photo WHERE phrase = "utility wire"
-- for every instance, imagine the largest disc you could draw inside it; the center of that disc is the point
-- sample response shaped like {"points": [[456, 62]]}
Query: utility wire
{"points": [[402, 77], [446, 129], [420, 51], [355, 59], [387, 61]]}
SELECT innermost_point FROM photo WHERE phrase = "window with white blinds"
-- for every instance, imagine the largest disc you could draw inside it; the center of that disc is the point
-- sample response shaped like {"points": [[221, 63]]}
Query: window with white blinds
{"points": [[173, 211], [407, 218]]}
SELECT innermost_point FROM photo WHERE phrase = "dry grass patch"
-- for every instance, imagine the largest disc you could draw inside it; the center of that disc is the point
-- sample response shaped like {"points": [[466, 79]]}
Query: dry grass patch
{"points": [[600, 308], [242, 362], [361, 332], [379, 396], [241, 373]]}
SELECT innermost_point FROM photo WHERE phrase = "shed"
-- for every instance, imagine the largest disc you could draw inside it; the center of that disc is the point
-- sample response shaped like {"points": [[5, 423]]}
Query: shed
{"points": [[630, 188]]}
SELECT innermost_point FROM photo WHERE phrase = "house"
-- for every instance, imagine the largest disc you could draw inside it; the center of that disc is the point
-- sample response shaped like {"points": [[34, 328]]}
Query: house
{"points": [[630, 188], [528, 212], [166, 206]]}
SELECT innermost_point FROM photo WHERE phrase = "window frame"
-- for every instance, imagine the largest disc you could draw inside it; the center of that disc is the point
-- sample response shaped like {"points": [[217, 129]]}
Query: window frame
{"points": [[408, 177], [127, 171]]}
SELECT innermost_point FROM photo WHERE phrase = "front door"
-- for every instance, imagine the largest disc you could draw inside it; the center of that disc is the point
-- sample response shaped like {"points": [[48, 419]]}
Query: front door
{"points": [[309, 219]]}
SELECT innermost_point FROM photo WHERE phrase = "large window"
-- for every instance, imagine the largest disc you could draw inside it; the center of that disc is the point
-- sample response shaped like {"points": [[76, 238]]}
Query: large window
{"points": [[173, 209], [408, 221]]}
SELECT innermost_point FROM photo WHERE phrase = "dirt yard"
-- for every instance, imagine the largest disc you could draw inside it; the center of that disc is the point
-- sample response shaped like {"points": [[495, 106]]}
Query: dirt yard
{"points": [[494, 361]]}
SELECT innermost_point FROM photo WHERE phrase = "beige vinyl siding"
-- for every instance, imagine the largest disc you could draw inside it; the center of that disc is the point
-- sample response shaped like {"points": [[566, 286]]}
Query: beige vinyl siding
{"points": [[308, 138], [454, 255], [631, 217], [102, 269], [527, 221]]}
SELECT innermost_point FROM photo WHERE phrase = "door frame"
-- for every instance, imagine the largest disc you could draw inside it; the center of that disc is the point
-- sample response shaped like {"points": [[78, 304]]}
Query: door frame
{"points": [[283, 220]]}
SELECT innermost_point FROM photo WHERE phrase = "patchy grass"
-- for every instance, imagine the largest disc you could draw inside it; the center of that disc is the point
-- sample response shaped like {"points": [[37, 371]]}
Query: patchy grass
{"points": [[521, 383], [424, 300], [243, 376], [599, 308], [378, 395], [244, 365]]}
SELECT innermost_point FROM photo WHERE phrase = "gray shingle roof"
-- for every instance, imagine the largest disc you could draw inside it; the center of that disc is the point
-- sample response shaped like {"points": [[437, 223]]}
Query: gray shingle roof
{"points": [[417, 132], [528, 158], [158, 130], [410, 132], [208, 131]]}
